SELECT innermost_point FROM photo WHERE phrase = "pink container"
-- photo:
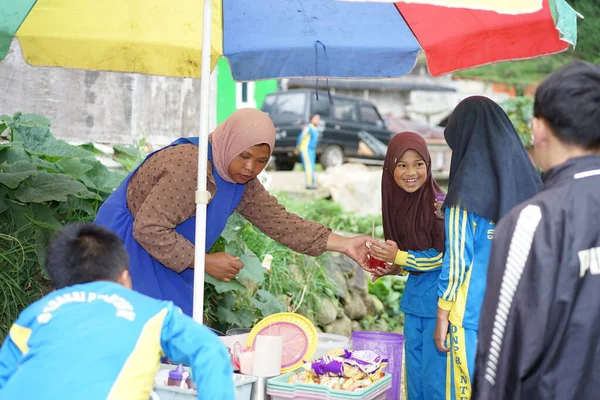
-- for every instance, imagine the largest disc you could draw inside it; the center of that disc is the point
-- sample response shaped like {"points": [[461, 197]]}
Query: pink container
{"points": [[388, 345]]}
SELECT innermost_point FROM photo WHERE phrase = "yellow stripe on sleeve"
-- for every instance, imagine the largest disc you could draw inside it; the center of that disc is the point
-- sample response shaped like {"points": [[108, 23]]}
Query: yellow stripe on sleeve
{"points": [[20, 336], [452, 256]]}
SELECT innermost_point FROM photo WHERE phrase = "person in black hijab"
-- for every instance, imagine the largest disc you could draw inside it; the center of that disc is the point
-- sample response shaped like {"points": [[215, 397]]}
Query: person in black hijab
{"points": [[490, 173]]}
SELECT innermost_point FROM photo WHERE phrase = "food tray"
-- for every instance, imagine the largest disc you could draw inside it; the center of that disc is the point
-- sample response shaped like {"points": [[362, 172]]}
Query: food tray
{"points": [[279, 389]]}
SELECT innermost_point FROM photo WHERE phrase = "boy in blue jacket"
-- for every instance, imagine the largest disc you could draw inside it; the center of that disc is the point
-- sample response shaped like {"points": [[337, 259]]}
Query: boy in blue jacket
{"points": [[95, 338]]}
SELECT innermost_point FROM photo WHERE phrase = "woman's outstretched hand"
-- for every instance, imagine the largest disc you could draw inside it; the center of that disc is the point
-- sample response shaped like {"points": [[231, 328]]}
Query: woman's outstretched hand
{"points": [[223, 266], [354, 247]]}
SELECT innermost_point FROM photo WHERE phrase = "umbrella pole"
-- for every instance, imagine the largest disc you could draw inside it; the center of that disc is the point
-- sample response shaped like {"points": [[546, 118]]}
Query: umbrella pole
{"points": [[202, 196]]}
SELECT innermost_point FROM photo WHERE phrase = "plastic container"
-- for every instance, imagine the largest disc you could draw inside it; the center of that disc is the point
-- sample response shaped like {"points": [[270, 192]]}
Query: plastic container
{"points": [[279, 389], [179, 377], [388, 345], [243, 386], [329, 341]]}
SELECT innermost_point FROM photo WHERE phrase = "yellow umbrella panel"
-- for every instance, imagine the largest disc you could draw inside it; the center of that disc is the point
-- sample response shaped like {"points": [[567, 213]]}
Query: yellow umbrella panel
{"points": [[117, 35]]}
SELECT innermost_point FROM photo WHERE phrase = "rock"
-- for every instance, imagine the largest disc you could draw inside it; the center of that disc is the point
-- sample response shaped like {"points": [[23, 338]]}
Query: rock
{"points": [[355, 309], [380, 325], [334, 270], [342, 326], [359, 282], [356, 326], [355, 187], [340, 311], [399, 330], [296, 272], [328, 312], [374, 305]]}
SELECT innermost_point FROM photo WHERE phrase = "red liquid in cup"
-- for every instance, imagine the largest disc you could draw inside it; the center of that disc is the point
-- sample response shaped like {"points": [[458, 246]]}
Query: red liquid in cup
{"points": [[375, 263]]}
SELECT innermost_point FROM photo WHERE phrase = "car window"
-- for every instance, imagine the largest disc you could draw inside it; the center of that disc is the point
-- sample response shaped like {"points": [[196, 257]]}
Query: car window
{"points": [[285, 107], [369, 115], [321, 106], [345, 110]]}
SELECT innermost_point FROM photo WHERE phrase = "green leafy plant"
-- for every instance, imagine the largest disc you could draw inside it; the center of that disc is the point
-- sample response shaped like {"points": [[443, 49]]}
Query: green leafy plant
{"points": [[331, 214], [44, 184], [296, 283], [520, 112], [389, 290]]}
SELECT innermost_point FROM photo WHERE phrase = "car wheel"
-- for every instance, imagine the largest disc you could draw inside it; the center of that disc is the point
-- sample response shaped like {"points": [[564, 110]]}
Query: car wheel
{"points": [[284, 164], [332, 156]]}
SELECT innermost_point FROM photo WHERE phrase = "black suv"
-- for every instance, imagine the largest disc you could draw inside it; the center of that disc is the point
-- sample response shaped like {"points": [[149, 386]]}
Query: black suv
{"points": [[345, 123]]}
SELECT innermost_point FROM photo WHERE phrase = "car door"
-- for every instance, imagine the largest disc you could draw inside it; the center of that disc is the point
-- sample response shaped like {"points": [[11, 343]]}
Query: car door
{"points": [[345, 125], [374, 126]]}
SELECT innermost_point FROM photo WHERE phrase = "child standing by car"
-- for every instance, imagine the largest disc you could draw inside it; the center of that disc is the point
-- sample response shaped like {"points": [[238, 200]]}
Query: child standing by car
{"points": [[415, 243], [490, 173], [95, 338], [307, 146]]}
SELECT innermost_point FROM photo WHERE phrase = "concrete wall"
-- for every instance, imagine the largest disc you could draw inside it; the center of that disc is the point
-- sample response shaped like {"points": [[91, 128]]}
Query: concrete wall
{"points": [[104, 107]]}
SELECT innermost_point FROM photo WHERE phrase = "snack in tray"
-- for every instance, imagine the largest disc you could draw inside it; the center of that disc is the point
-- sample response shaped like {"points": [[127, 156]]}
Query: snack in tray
{"points": [[342, 369]]}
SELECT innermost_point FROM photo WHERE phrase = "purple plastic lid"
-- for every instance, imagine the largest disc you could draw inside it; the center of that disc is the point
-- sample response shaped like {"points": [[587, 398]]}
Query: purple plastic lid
{"points": [[440, 196], [177, 373], [378, 336]]}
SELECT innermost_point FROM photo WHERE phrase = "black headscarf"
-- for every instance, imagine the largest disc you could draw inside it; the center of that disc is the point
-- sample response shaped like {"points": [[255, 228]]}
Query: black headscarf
{"points": [[491, 171]]}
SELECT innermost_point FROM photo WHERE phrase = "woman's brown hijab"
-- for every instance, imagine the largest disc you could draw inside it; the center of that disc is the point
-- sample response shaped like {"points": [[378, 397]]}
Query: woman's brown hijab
{"points": [[409, 218]]}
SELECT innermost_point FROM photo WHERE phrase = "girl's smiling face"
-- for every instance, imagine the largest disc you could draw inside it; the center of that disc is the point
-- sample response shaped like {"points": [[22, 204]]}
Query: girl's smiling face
{"points": [[411, 171]]}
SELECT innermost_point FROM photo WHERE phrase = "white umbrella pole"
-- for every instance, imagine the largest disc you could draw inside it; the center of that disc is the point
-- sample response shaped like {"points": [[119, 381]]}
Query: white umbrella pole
{"points": [[202, 195]]}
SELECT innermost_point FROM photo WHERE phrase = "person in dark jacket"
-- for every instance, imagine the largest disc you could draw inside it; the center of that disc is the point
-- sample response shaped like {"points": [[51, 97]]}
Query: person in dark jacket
{"points": [[540, 322]]}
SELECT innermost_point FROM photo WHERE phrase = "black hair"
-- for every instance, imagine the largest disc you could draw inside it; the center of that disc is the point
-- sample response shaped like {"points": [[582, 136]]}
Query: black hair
{"points": [[313, 115], [83, 253], [569, 101]]}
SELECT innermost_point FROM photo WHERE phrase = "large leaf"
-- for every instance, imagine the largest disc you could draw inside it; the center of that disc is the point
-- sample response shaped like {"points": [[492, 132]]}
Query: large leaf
{"points": [[267, 304], [12, 175], [130, 151], [253, 270], [3, 200], [223, 287], [15, 153], [231, 233], [39, 141], [29, 120], [44, 217], [238, 318], [73, 167], [45, 186], [48, 166], [100, 178]]}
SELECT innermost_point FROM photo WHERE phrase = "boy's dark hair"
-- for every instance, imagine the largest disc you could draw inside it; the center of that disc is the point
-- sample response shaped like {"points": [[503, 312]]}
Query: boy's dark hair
{"points": [[569, 100], [313, 115], [83, 253]]}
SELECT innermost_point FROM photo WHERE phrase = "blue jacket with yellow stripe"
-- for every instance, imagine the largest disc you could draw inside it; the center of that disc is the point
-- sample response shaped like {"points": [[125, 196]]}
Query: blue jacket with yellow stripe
{"points": [[101, 340], [420, 294], [464, 268]]}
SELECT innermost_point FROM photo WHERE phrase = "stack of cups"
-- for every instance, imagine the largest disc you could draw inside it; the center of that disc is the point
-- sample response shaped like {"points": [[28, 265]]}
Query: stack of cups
{"points": [[267, 356]]}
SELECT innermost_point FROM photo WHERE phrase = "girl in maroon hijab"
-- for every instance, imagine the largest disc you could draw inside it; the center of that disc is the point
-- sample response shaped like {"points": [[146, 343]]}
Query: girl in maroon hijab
{"points": [[414, 243]]}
